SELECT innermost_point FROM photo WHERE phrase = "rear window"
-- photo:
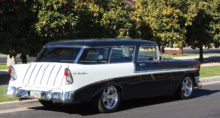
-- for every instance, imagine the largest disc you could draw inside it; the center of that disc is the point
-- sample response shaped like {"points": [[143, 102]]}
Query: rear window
{"points": [[58, 54]]}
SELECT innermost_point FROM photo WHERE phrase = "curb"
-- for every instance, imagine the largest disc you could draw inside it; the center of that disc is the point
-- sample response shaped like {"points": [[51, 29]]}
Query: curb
{"points": [[19, 104], [35, 102], [210, 79]]}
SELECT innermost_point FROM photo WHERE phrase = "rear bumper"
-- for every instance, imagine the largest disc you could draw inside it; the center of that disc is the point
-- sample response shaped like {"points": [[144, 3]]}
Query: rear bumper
{"points": [[60, 97], [197, 82]]}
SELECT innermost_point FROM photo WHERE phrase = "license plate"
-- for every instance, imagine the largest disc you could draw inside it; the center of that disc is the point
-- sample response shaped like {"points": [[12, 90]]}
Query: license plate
{"points": [[35, 94]]}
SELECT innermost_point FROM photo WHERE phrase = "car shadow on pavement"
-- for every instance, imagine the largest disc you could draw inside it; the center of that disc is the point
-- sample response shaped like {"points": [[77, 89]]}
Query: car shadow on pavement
{"points": [[204, 92], [86, 109]]}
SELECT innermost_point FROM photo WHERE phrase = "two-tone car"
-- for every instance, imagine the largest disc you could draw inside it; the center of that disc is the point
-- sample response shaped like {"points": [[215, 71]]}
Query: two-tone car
{"points": [[102, 72]]}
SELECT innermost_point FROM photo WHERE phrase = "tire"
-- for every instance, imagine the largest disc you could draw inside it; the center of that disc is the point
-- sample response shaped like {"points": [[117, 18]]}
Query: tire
{"points": [[49, 104], [186, 88], [108, 100]]}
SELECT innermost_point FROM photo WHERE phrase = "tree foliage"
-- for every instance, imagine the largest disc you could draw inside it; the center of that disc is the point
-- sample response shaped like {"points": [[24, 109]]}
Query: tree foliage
{"points": [[172, 23], [16, 28]]}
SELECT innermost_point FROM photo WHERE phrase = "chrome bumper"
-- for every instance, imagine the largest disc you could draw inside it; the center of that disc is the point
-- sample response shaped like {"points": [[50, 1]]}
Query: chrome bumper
{"points": [[60, 97], [197, 82]]}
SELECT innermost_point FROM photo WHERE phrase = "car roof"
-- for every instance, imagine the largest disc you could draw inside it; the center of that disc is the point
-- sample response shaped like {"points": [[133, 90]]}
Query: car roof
{"points": [[101, 43]]}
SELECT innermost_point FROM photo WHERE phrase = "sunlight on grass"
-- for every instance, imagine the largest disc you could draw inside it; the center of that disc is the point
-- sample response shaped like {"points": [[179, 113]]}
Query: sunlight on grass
{"points": [[3, 66], [209, 71], [4, 98]]}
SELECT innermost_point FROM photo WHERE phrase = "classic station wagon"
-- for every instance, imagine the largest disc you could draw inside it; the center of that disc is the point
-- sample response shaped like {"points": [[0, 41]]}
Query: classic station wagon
{"points": [[102, 72]]}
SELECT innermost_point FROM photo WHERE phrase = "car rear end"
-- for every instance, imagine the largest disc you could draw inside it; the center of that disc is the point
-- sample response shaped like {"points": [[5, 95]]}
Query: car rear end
{"points": [[47, 79]]}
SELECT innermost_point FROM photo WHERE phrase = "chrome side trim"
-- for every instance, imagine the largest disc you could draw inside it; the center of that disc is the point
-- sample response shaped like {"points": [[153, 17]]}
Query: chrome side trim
{"points": [[166, 71]]}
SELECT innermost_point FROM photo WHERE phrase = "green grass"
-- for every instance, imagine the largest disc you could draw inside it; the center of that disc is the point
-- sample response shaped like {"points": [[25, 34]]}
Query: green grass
{"points": [[209, 71], [167, 56], [4, 98], [3, 66]]}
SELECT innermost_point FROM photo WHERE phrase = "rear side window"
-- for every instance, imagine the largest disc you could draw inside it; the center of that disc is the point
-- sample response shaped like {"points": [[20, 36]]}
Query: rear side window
{"points": [[94, 55], [147, 53], [58, 54], [122, 54]]}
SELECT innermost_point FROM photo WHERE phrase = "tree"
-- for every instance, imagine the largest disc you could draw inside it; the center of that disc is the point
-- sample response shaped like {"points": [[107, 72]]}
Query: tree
{"points": [[18, 35], [204, 26]]}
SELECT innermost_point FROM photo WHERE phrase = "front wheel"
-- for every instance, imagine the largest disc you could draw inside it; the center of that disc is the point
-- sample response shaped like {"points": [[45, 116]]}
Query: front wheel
{"points": [[187, 88], [108, 100]]}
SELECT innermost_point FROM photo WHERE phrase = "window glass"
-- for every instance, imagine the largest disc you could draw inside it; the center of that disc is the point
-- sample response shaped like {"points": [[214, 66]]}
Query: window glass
{"points": [[122, 54], [58, 54], [147, 53], [94, 55]]}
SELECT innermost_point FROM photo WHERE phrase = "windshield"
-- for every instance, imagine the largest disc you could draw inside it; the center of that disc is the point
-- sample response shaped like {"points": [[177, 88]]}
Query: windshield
{"points": [[58, 54]]}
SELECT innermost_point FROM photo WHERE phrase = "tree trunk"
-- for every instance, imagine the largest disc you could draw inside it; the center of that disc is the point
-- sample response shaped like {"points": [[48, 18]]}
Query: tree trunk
{"points": [[201, 53], [23, 58], [181, 51], [10, 61]]}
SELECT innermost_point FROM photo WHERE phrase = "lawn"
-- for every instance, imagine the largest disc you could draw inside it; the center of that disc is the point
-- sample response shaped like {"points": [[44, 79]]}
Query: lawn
{"points": [[209, 71], [3, 66], [4, 98], [167, 56]]}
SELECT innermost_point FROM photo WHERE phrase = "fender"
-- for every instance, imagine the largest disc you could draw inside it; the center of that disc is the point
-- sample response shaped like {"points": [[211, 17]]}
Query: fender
{"points": [[182, 77], [99, 91], [87, 93]]}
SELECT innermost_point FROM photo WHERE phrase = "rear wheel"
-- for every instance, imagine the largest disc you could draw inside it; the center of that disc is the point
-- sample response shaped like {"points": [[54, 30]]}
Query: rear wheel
{"points": [[108, 101], [187, 88]]}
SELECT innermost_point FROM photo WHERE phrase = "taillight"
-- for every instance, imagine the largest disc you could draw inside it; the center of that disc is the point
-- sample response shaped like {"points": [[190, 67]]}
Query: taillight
{"points": [[68, 76], [12, 73]]}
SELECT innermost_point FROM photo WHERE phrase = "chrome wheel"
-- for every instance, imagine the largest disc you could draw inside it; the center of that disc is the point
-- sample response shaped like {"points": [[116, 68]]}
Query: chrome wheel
{"points": [[187, 86], [110, 97]]}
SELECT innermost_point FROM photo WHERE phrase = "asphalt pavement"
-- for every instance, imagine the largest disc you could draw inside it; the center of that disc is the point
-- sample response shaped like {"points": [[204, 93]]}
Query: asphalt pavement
{"points": [[204, 104]]}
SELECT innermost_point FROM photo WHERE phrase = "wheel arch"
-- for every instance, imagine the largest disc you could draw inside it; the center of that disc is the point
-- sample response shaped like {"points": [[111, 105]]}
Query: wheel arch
{"points": [[100, 90], [190, 74]]}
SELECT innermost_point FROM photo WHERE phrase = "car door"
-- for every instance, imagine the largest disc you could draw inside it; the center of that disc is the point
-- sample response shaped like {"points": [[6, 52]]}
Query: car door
{"points": [[155, 81]]}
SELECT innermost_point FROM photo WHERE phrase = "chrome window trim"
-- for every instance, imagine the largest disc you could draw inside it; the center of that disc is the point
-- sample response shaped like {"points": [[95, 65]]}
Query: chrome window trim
{"points": [[158, 53], [64, 46], [109, 56], [133, 54], [79, 55]]}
